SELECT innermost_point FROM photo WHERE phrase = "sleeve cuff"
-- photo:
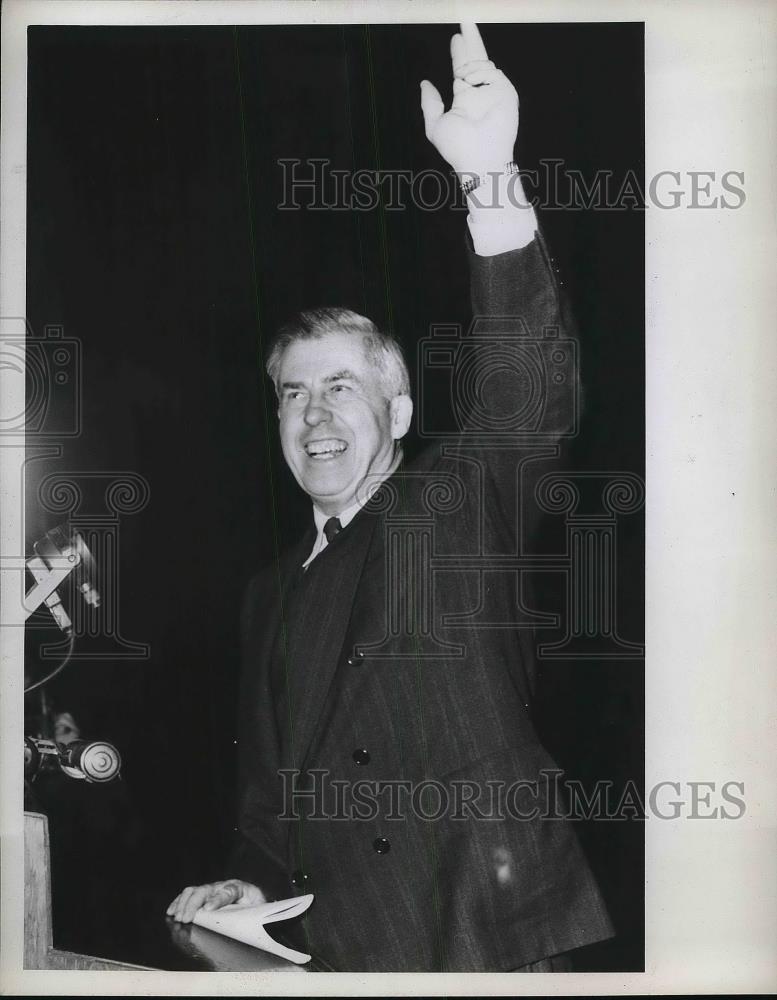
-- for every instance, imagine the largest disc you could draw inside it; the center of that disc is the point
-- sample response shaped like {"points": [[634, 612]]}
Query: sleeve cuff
{"points": [[500, 218]]}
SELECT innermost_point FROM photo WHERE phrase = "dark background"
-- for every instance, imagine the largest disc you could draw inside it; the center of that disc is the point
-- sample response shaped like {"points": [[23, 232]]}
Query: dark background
{"points": [[154, 238]]}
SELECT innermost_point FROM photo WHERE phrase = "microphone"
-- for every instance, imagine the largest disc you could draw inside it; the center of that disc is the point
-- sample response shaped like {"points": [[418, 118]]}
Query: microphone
{"points": [[97, 761], [60, 553], [47, 567], [68, 543]]}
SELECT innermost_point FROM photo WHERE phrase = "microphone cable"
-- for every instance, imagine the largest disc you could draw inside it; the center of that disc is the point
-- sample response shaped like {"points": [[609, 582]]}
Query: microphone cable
{"points": [[56, 670]]}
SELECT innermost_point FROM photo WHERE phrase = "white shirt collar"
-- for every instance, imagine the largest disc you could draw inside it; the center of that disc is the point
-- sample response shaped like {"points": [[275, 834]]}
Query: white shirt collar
{"points": [[346, 516]]}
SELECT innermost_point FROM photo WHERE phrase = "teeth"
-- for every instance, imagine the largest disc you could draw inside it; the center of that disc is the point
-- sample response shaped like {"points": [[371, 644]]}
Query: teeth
{"points": [[325, 448]]}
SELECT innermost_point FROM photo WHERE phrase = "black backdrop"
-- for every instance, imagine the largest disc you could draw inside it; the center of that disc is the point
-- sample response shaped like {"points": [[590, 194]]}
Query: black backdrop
{"points": [[154, 238]]}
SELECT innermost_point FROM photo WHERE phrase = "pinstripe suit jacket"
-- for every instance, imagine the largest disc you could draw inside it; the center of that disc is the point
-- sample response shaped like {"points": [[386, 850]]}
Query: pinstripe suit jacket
{"points": [[402, 666]]}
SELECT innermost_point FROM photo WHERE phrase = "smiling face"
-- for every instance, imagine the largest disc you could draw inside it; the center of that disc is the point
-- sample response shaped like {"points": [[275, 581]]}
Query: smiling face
{"points": [[337, 426]]}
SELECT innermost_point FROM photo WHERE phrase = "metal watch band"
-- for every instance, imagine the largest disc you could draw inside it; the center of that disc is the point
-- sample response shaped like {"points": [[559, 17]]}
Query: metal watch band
{"points": [[476, 180]]}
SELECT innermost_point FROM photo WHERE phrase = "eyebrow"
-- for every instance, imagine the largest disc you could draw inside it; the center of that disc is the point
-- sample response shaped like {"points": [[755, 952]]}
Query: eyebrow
{"points": [[345, 373]]}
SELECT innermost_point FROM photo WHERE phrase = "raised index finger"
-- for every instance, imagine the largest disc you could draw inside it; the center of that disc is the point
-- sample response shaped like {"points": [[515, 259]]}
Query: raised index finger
{"points": [[473, 43]]}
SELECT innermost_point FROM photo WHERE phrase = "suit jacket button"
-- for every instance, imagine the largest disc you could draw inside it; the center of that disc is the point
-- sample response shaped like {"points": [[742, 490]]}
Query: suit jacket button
{"points": [[300, 879], [381, 845], [361, 756]]}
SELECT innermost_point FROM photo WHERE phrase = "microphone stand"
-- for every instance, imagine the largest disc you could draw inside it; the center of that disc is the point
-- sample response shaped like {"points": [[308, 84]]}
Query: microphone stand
{"points": [[59, 553]]}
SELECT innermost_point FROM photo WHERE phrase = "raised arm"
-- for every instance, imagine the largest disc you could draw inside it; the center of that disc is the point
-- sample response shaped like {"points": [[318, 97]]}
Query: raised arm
{"points": [[477, 136], [522, 333]]}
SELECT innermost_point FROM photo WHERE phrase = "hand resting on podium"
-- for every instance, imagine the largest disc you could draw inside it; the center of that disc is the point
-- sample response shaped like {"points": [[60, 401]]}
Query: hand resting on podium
{"points": [[240, 911], [213, 896]]}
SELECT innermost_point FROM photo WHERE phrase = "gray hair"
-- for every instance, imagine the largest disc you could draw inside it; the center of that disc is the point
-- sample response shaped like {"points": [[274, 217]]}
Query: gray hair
{"points": [[383, 351]]}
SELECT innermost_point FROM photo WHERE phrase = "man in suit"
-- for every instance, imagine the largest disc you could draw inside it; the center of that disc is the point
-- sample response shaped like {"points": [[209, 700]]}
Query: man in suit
{"points": [[385, 704]]}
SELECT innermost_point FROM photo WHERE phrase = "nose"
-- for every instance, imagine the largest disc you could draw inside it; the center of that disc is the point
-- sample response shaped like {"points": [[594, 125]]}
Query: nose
{"points": [[316, 413]]}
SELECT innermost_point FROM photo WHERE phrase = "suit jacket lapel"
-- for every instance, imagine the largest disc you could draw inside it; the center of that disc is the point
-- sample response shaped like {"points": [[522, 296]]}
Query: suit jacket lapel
{"points": [[319, 633]]}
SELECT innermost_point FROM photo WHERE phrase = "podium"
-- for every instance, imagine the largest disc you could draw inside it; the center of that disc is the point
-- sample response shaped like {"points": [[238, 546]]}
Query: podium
{"points": [[39, 950], [177, 947]]}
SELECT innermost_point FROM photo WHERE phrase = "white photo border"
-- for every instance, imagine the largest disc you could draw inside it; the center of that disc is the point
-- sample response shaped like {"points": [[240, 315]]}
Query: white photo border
{"points": [[711, 606]]}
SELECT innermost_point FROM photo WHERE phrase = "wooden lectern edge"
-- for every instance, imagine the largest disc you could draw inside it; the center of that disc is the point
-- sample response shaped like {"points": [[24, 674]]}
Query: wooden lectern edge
{"points": [[39, 950], [58, 959]]}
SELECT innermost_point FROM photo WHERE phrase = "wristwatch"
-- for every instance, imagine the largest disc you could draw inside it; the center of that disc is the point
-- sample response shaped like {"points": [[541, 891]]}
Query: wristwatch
{"points": [[475, 180]]}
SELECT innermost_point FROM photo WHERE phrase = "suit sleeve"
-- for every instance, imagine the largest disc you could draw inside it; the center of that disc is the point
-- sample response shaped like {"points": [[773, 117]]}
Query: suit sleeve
{"points": [[526, 403], [520, 284]]}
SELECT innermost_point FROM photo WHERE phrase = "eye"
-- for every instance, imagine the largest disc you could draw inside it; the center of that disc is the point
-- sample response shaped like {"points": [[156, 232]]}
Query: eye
{"points": [[339, 388]]}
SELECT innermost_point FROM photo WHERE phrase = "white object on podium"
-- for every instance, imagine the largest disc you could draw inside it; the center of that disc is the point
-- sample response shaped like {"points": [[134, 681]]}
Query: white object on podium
{"points": [[245, 922]]}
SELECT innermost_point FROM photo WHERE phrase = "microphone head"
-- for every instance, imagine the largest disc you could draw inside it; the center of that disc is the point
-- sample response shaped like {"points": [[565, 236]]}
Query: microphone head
{"points": [[98, 761], [69, 542]]}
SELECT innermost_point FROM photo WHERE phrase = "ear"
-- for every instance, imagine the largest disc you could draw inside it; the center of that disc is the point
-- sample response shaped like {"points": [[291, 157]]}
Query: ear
{"points": [[401, 413]]}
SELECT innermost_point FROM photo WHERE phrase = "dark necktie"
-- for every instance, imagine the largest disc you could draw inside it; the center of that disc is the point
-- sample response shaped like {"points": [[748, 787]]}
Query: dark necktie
{"points": [[331, 528]]}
